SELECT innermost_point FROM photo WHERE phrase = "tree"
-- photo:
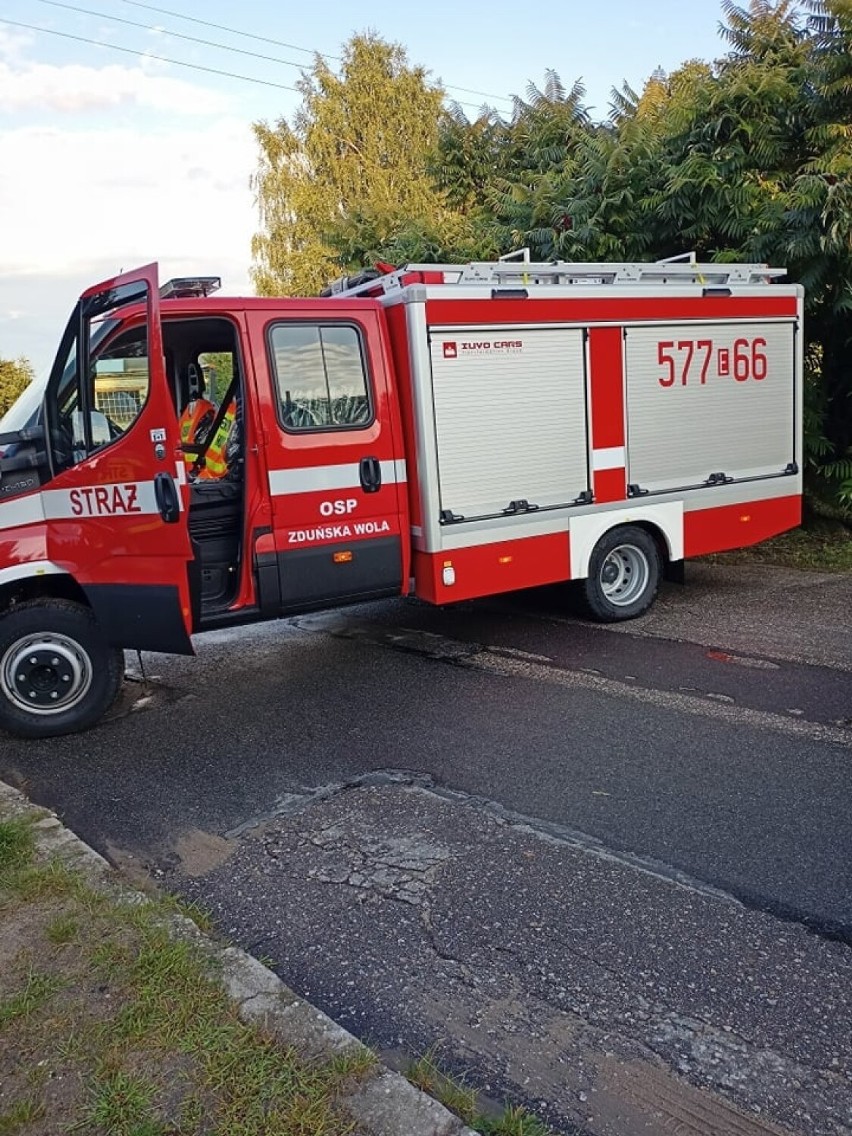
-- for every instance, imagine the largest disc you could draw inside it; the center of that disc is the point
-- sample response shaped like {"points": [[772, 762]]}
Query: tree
{"points": [[820, 212], [509, 178], [15, 377], [349, 177]]}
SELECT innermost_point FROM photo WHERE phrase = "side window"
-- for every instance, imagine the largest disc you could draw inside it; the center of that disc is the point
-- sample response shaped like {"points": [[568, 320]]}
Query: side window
{"points": [[321, 376]]}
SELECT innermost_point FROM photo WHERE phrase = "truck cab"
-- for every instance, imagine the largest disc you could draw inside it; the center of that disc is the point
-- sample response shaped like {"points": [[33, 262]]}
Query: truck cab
{"points": [[121, 529]]}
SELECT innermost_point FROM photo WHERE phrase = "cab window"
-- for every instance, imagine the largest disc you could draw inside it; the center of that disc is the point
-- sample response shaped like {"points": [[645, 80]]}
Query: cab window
{"points": [[101, 380], [321, 376], [117, 381], [121, 379]]}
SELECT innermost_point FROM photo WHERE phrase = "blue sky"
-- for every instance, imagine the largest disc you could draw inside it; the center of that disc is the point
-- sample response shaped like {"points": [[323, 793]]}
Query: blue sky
{"points": [[110, 158]]}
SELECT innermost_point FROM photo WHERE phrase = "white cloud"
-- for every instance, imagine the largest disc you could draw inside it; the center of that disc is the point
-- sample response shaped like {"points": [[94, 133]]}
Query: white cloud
{"points": [[13, 43], [107, 168], [73, 88], [79, 206], [69, 197]]}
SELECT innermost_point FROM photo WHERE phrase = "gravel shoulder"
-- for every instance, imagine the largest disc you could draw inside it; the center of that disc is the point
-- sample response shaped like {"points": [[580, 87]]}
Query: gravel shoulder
{"points": [[759, 609]]}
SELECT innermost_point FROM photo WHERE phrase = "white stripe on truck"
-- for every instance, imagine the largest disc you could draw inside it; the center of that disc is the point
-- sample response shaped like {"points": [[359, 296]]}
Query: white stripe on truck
{"points": [[611, 458], [325, 478]]}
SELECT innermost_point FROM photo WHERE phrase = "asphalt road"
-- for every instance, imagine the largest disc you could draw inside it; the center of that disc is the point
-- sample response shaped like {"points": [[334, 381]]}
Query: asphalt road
{"points": [[610, 870]]}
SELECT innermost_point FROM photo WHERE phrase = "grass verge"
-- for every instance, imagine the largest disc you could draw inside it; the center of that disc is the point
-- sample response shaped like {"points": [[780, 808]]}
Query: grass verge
{"points": [[824, 546], [109, 1024], [113, 1025]]}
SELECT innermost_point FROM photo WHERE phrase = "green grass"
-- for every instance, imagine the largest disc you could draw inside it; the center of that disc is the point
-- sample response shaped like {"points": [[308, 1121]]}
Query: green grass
{"points": [[140, 1021], [63, 929], [16, 845], [176, 1005], [459, 1097], [22, 1114], [192, 911], [38, 989], [32, 882], [135, 1022], [825, 546], [452, 1092], [120, 1104]]}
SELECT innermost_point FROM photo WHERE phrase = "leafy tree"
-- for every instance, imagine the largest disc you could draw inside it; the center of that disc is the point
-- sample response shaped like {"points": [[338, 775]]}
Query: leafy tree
{"points": [[468, 154], [15, 376], [509, 178], [547, 131], [349, 177], [820, 213]]}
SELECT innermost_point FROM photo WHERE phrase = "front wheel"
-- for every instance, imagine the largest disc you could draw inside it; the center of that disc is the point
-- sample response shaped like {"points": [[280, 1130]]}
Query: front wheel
{"points": [[624, 575], [58, 674]]}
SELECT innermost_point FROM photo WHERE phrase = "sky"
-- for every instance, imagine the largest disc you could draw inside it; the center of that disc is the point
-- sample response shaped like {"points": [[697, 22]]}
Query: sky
{"points": [[114, 158]]}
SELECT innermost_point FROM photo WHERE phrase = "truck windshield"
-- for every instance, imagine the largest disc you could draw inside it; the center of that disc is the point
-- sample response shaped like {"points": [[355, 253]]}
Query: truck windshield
{"points": [[24, 410]]}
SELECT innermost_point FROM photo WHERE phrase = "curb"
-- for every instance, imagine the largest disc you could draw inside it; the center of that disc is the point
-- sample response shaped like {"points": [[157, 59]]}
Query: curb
{"points": [[385, 1105]]}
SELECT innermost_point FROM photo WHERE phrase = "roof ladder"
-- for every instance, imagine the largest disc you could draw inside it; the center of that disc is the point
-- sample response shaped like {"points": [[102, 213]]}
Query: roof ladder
{"points": [[517, 270]]}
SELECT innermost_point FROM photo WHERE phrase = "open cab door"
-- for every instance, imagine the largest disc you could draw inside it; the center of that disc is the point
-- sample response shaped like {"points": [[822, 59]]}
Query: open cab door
{"points": [[116, 502], [107, 514]]}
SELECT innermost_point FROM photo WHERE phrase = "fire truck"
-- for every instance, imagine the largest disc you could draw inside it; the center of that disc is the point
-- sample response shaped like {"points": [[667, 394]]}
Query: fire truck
{"points": [[442, 431]]}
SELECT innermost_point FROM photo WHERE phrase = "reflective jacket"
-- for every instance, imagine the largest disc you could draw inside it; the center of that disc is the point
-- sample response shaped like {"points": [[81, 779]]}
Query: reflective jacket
{"points": [[216, 455], [196, 420]]}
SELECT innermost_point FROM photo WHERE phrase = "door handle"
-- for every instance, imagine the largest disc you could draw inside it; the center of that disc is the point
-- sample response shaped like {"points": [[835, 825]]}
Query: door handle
{"points": [[370, 472], [166, 495]]}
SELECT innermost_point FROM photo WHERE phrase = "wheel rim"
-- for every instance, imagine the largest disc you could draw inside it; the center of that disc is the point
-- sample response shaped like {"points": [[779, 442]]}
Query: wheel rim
{"points": [[624, 575], [45, 673]]}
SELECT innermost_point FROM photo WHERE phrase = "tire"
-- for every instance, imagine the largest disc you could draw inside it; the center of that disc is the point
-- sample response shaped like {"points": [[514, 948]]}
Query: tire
{"points": [[58, 675], [624, 576]]}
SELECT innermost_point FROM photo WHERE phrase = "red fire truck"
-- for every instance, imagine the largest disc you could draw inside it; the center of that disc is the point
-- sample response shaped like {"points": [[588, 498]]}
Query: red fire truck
{"points": [[450, 431]]}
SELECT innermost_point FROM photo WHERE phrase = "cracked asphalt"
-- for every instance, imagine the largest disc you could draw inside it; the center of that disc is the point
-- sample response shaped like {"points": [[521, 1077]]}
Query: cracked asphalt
{"points": [[606, 871], [527, 952]]}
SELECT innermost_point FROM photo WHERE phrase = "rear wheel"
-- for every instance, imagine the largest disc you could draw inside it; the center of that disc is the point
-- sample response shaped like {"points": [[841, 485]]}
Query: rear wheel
{"points": [[624, 575], [58, 674]]}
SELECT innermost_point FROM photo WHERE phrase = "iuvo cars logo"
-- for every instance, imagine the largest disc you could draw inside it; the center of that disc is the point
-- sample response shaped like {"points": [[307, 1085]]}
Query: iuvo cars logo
{"points": [[453, 349]]}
